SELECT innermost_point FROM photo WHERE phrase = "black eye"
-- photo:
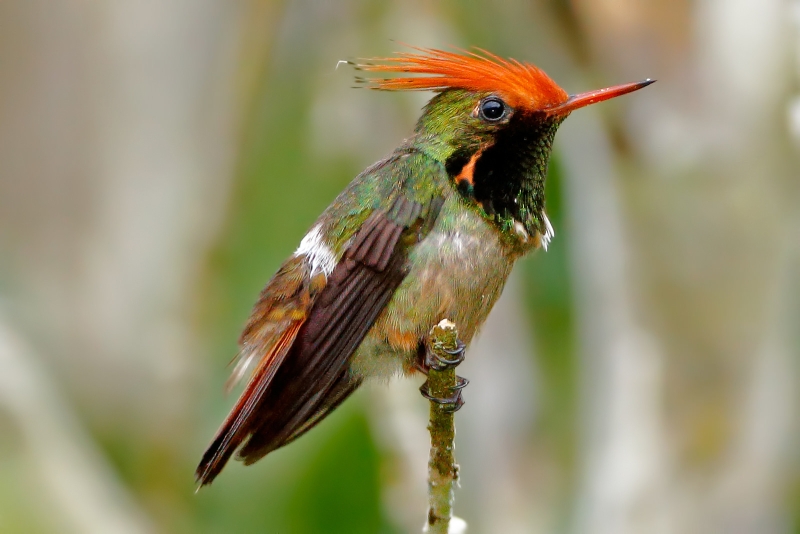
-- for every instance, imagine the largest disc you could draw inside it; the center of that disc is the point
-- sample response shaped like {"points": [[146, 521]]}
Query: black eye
{"points": [[492, 109]]}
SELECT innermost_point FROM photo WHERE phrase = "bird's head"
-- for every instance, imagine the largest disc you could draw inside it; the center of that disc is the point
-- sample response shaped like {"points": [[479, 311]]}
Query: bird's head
{"points": [[492, 123]]}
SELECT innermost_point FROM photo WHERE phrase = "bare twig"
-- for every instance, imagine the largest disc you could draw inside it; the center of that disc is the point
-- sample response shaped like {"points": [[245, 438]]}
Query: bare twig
{"points": [[442, 467]]}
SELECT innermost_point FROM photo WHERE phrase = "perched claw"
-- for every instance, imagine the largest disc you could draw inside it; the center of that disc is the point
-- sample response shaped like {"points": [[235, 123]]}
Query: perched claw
{"points": [[452, 403], [453, 408], [460, 346], [434, 361], [461, 383], [431, 359]]}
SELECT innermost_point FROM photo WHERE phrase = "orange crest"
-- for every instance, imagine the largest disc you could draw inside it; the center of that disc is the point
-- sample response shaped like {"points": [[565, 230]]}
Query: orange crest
{"points": [[522, 85]]}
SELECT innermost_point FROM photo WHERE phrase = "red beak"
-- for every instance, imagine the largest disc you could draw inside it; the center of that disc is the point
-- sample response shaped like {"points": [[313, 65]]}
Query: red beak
{"points": [[592, 97]]}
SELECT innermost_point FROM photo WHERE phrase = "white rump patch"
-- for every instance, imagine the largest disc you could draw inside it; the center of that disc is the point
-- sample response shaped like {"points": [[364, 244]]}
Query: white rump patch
{"points": [[549, 233], [317, 253]]}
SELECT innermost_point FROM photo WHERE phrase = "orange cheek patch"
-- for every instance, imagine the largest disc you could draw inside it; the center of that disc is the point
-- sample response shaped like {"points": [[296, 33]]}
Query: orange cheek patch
{"points": [[402, 340], [468, 171]]}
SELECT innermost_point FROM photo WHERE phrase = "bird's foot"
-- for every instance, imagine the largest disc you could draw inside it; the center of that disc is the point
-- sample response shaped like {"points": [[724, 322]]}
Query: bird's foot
{"points": [[450, 404], [433, 356], [440, 363]]}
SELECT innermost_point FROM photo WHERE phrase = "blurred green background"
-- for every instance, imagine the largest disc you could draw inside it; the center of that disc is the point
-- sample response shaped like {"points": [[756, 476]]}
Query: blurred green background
{"points": [[159, 160]]}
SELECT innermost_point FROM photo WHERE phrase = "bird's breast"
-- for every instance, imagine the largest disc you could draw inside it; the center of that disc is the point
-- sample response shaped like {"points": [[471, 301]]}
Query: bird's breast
{"points": [[456, 272]]}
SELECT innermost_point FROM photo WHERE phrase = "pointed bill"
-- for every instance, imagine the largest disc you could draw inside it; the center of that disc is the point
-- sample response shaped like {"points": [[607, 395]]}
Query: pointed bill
{"points": [[592, 97]]}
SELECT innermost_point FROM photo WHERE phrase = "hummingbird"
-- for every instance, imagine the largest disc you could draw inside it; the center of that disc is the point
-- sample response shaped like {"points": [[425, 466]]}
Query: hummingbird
{"points": [[431, 232]]}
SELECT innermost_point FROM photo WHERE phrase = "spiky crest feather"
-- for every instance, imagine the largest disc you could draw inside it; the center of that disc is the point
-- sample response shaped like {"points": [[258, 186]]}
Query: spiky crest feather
{"points": [[522, 85]]}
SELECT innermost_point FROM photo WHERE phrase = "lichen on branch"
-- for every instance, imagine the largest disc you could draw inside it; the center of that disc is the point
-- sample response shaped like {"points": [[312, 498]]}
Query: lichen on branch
{"points": [[442, 467]]}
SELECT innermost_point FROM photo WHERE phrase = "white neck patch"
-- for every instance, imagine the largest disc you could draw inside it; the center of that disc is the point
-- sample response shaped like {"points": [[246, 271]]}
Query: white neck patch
{"points": [[549, 233], [317, 253]]}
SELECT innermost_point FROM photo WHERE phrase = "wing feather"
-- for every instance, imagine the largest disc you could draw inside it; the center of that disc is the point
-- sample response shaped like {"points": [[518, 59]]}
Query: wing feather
{"points": [[304, 330], [235, 429], [347, 308]]}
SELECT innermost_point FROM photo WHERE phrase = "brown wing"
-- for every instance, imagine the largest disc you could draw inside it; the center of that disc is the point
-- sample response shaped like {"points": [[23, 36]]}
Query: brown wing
{"points": [[277, 317], [301, 385]]}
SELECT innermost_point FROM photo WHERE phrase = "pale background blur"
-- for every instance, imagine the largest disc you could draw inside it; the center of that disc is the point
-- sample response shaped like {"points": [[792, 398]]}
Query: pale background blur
{"points": [[160, 158]]}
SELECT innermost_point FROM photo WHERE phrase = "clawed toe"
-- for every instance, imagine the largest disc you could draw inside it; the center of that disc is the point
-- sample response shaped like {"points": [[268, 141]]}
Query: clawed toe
{"points": [[450, 404], [434, 361], [432, 358]]}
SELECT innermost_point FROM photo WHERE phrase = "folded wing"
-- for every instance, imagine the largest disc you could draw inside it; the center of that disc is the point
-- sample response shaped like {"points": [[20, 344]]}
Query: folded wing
{"points": [[306, 327]]}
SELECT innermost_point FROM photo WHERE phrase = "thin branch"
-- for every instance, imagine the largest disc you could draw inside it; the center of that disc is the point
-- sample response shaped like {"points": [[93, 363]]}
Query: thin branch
{"points": [[442, 467]]}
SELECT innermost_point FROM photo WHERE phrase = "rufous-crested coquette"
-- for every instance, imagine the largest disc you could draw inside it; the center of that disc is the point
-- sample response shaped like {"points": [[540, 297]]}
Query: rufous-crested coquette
{"points": [[429, 233]]}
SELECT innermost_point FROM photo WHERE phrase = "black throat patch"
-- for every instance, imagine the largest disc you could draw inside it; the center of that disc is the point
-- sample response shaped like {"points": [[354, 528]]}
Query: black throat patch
{"points": [[507, 178]]}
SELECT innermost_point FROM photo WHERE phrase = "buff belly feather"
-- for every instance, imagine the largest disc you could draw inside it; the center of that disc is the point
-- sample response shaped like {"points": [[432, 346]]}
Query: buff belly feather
{"points": [[457, 272]]}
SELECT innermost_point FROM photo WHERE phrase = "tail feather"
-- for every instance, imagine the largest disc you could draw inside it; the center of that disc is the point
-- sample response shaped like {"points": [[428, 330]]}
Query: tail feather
{"points": [[239, 424], [280, 430]]}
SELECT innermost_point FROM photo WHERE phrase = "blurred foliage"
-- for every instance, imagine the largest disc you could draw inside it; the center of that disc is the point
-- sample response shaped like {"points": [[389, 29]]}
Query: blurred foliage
{"points": [[549, 301], [701, 208]]}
